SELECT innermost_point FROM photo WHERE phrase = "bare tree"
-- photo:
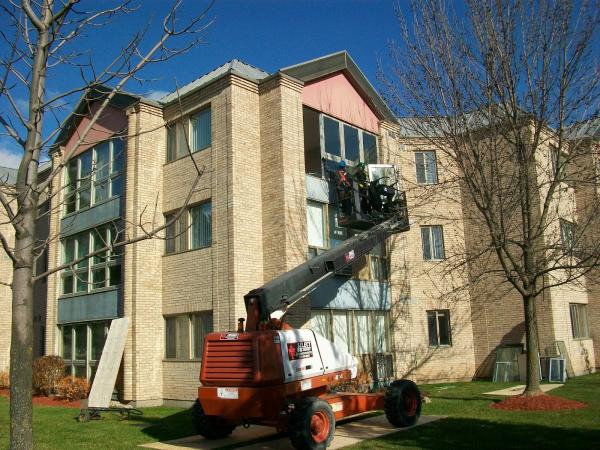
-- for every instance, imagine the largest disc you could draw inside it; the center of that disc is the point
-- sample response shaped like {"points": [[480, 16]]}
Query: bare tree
{"points": [[499, 89], [45, 36]]}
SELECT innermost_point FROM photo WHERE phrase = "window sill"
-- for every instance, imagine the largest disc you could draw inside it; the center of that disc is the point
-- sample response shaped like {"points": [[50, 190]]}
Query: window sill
{"points": [[187, 155], [440, 346], [187, 251], [579, 339], [95, 291], [434, 260]]}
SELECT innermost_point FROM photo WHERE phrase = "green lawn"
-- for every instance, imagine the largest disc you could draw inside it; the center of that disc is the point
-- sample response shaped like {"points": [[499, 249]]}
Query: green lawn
{"points": [[471, 423]]}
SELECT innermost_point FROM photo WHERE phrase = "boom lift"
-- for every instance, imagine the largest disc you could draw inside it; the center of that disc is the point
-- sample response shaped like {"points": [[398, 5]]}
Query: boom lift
{"points": [[269, 374]]}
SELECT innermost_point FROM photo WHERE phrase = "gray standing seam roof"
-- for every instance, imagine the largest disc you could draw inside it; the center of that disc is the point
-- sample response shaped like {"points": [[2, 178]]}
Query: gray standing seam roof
{"points": [[234, 66]]}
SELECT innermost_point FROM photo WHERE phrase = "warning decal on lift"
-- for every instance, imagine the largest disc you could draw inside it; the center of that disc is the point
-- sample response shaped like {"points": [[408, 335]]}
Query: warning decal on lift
{"points": [[299, 350]]}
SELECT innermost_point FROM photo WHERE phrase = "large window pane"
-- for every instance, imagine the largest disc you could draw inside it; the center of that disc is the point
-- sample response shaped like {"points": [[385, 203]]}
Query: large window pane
{"points": [[67, 343], [444, 327], [80, 342], [183, 336], [351, 143], [341, 330], [438, 242], [432, 328], [370, 148], [430, 167], [316, 225], [331, 131], [171, 142], [200, 130], [381, 334], [102, 160], [425, 239], [201, 232], [362, 332], [170, 337], [118, 155], [98, 331]]}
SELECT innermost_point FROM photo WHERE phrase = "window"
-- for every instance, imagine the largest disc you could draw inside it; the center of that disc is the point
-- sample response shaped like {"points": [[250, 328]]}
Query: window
{"points": [[359, 332], [185, 333], [433, 243], [426, 167], [94, 176], [326, 138], [191, 230], [100, 271], [579, 321], [378, 263], [81, 347], [438, 325], [201, 221], [567, 234], [316, 216], [199, 137]]}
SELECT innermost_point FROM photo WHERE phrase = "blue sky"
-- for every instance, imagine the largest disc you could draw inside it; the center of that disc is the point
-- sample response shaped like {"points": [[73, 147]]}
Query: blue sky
{"points": [[269, 34]]}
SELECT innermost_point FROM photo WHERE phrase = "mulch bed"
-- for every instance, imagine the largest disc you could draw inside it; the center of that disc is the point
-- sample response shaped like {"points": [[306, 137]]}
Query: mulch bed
{"points": [[48, 401], [542, 402]]}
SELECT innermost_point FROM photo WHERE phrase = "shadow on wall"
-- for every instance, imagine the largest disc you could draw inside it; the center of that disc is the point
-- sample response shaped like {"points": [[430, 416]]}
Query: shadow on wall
{"points": [[515, 336]]}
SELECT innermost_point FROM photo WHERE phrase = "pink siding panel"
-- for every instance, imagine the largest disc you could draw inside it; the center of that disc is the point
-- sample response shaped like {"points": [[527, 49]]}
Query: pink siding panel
{"points": [[110, 122], [336, 96]]}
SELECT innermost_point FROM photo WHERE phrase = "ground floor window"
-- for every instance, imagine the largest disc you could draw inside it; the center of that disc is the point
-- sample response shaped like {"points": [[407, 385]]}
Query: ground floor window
{"points": [[184, 335], [579, 322], [438, 324], [358, 332], [81, 347]]}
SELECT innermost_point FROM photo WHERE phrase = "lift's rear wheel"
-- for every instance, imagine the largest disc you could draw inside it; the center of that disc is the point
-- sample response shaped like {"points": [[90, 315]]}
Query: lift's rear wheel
{"points": [[403, 403], [311, 424], [211, 427]]}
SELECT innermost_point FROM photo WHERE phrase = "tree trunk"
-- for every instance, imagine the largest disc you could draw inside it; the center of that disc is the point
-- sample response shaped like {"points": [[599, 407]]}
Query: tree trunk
{"points": [[21, 348], [532, 386]]}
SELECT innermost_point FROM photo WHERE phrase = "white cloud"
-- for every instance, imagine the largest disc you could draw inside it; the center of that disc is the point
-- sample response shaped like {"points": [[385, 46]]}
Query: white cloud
{"points": [[155, 94], [9, 158]]}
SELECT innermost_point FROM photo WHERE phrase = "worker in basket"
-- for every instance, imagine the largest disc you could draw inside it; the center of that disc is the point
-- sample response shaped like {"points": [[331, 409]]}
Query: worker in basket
{"points": [[362, 179], [343, 184]]}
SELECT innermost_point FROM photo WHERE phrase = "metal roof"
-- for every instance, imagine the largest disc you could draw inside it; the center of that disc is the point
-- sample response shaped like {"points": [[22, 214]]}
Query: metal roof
{"points": [[234, 66]]}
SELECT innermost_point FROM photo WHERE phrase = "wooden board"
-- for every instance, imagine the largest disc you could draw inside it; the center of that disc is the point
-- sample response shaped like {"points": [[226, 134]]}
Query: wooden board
{"points": [[108, 367]]}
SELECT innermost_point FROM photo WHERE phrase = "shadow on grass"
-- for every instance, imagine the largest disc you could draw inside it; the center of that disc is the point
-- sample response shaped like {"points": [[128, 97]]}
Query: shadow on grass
{"points": [[482, 434], [169, 427]]}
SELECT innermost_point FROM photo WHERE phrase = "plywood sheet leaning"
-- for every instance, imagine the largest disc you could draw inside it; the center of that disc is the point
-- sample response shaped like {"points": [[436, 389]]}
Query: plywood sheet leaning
{"points": [[108, 368]]}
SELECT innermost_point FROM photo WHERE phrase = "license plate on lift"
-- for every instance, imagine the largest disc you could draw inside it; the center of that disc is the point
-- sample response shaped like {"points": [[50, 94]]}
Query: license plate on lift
{"points": [[230, 393]]}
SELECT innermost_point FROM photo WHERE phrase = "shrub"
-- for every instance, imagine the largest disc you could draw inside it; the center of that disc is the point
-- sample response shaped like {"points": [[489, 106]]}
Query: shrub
{"points": [[4, 380], [47, 372], [73, 388]]}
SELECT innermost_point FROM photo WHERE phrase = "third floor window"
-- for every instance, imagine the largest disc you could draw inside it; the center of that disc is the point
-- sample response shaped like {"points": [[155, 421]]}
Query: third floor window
{"points": [[426, 167], [94, 176], [194, 132]]}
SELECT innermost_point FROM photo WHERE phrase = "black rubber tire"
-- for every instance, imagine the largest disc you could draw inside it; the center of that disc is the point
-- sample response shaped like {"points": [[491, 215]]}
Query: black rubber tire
{"points": [[211, 427], [304, 434], [403, 403]]}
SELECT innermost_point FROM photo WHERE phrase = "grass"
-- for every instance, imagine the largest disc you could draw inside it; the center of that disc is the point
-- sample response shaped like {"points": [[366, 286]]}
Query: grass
{"points": [[470, 423]]}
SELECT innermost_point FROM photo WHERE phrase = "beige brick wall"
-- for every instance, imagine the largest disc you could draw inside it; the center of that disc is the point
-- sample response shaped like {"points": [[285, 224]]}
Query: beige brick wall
{"points": [[142, 287], [5, 293], [418, 285], [181, 380]]}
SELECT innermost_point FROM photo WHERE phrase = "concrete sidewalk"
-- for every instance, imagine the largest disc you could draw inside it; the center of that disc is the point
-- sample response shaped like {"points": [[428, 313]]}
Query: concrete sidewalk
{"points": [[265, 438]]}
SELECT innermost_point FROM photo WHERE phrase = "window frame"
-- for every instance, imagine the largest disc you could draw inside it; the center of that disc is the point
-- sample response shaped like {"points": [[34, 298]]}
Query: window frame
{"points": [[579, 317], [426, 181], [72, 363], [178, 235], [342, 141], [568, 232], [83, 271], [351, 323], [432, 247], [182, 129], [189, 320], [439, 313], [115, 163]]}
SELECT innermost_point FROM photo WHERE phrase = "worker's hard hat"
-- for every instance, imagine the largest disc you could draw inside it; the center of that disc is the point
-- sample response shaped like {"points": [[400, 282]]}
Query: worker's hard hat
{"points": [[342, 164]]}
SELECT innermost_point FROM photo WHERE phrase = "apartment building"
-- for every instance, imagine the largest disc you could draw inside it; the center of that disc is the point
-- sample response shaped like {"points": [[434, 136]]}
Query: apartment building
{"points": [[246, 154]]}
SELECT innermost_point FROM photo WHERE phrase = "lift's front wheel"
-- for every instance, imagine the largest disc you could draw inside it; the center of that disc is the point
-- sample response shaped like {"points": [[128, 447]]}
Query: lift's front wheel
{"points": [[311, 424], [211, 427], [403, 403]]}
